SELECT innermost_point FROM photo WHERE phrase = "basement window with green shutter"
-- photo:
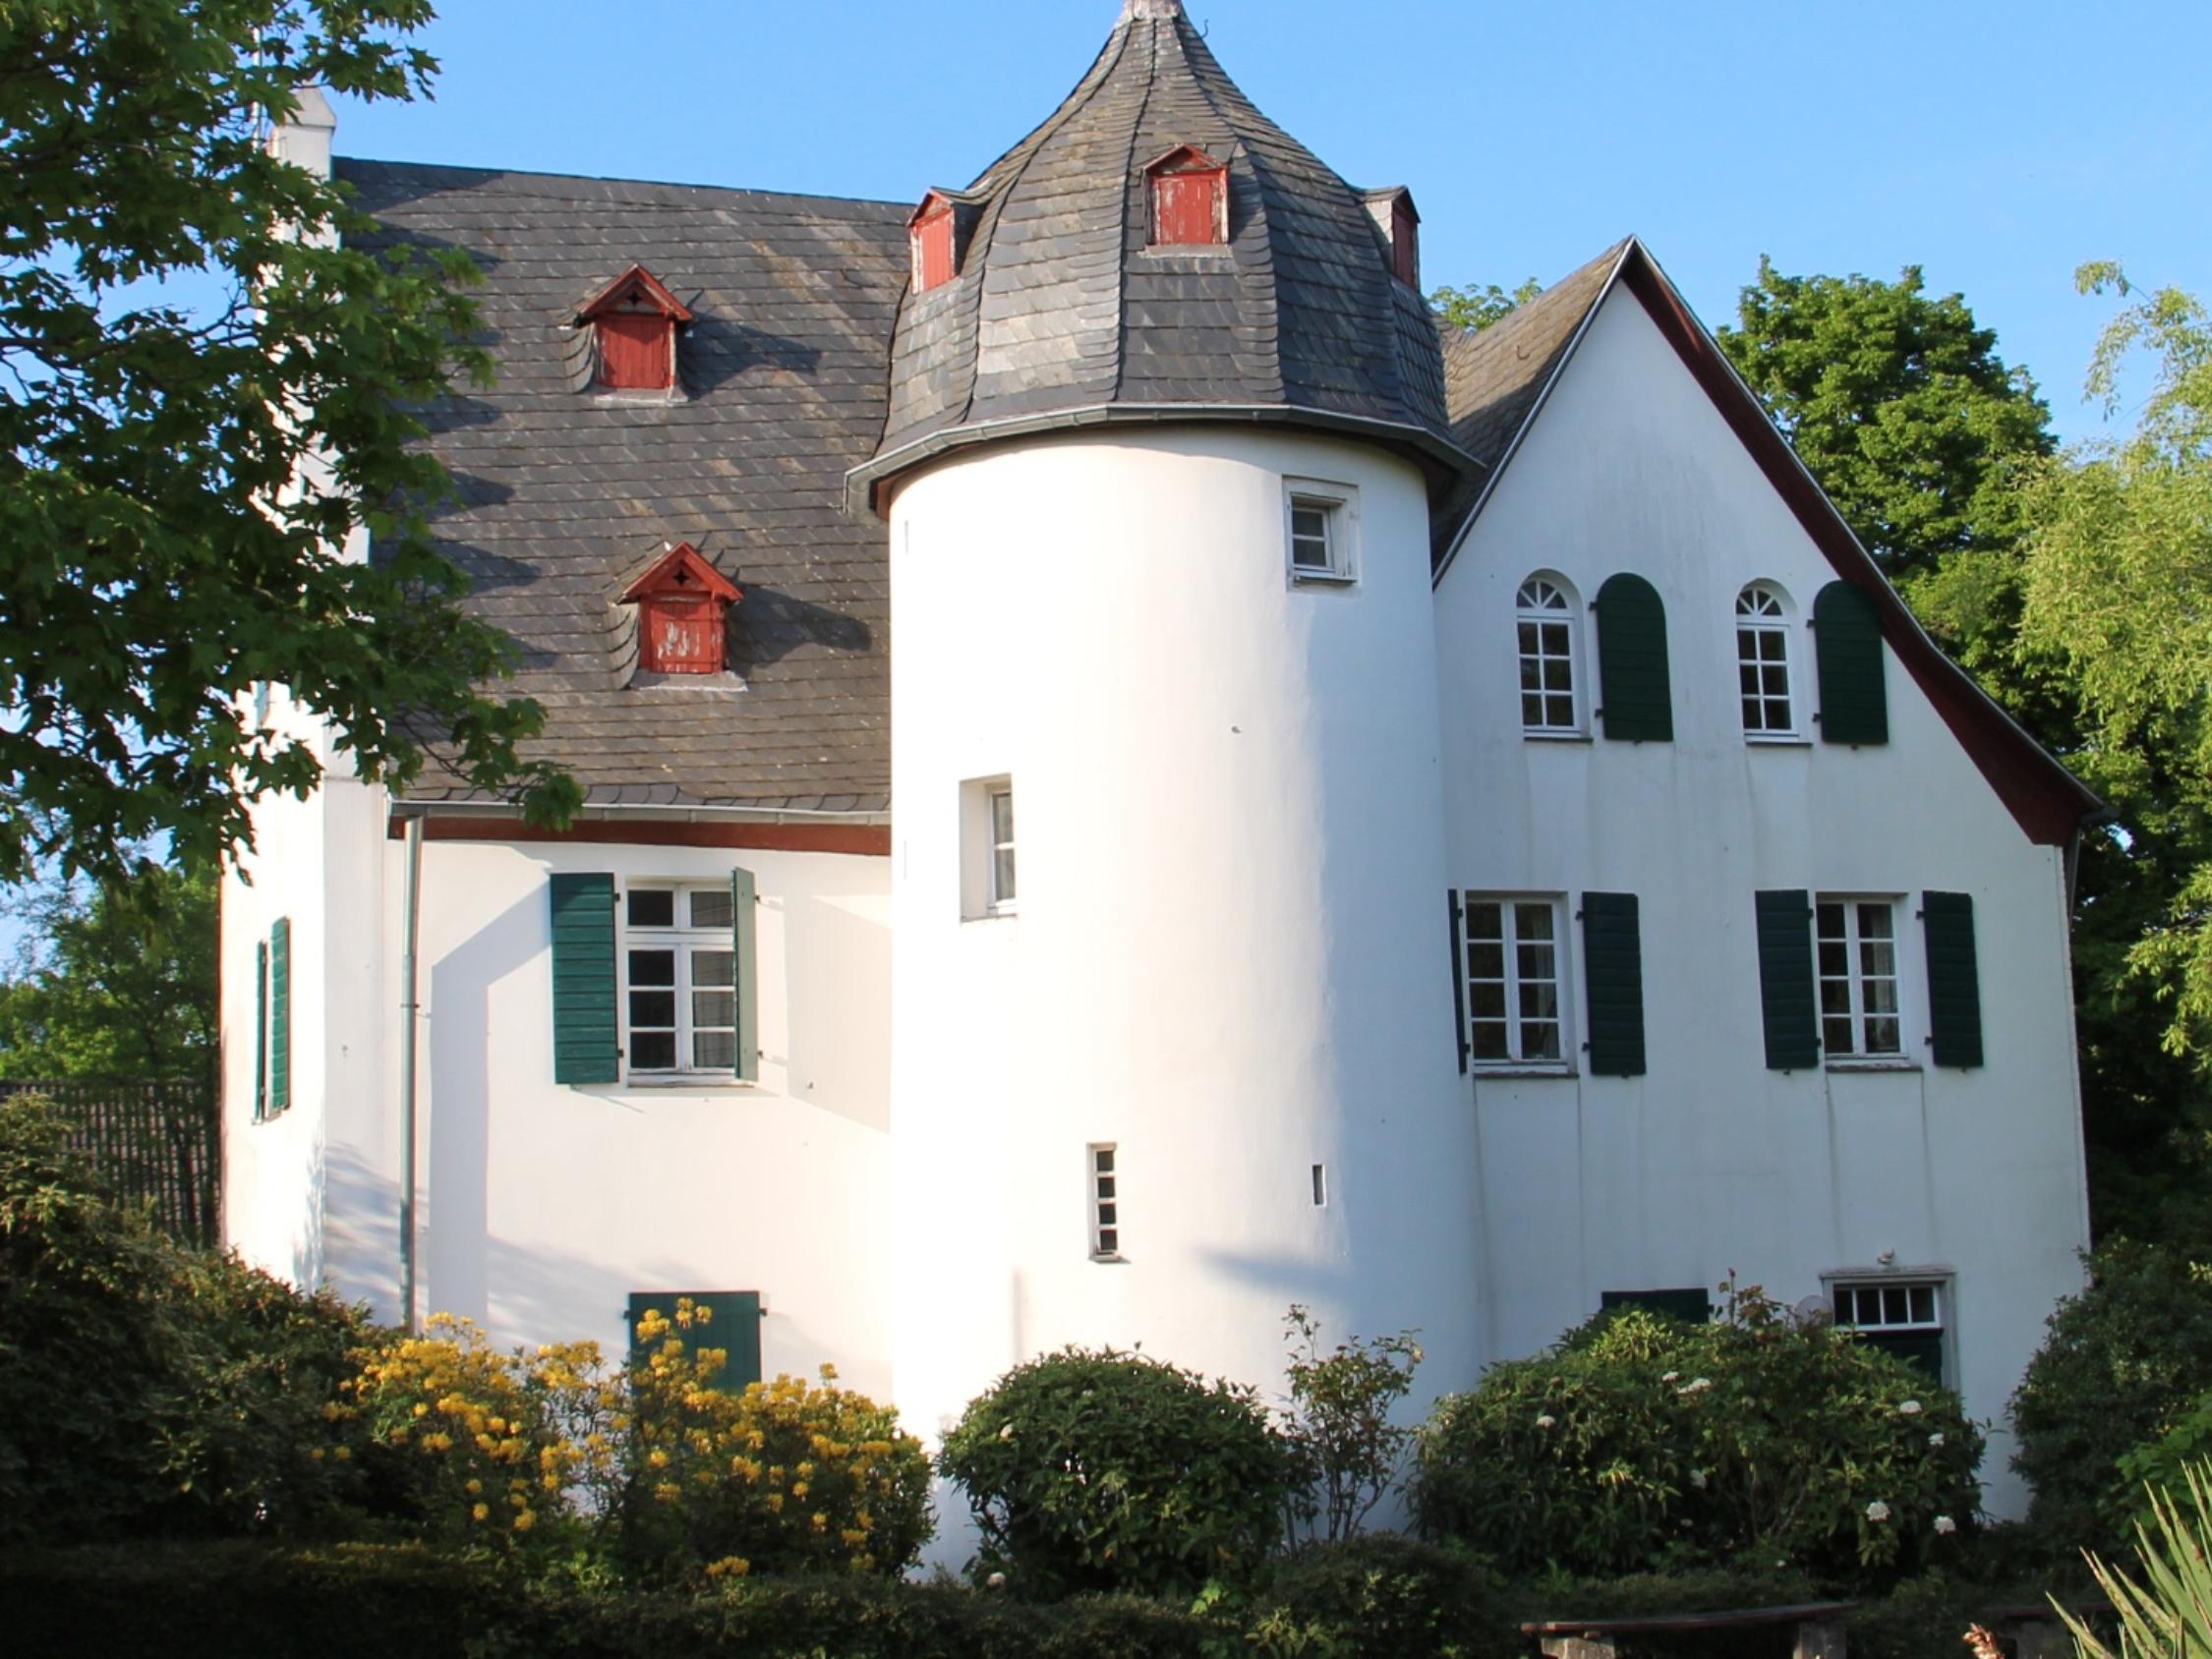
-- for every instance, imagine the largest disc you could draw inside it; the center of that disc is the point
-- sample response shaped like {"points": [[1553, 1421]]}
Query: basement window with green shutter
{"points": [[1902, 1316], [726, 1320]]}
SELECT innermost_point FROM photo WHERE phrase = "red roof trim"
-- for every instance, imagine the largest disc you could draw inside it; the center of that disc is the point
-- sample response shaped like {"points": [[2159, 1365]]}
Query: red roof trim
{"points": [[686, 560], [649, 287], [2049, 802], [863, 841]]}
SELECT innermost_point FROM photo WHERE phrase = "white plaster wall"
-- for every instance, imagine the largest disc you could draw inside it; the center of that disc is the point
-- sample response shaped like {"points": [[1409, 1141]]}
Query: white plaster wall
{"points": [[1228, 953], [1711, 1163], [542, 1207]]}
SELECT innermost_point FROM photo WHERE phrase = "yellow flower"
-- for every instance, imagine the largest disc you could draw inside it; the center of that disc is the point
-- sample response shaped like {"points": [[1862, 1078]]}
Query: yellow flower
{"points": [[474, 1487], [480, 1511], [343, 1453], [524, 1522], [659, 1459]]}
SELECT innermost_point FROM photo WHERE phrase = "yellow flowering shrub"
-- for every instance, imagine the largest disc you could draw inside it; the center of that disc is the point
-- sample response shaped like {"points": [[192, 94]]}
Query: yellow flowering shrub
{"points": [[492, 1451], [786, 1476]]}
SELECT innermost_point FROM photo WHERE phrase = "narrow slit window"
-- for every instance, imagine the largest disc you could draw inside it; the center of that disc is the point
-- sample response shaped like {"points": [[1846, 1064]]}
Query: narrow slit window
{"points": [[1763, 663], [1320, 1186], [1548, 622], [1004, 891], [1105, 1204]]}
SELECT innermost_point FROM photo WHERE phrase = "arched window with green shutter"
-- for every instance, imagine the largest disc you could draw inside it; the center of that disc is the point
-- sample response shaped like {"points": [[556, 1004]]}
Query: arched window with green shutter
{"points": [[1634, 688], [1847, 637]]}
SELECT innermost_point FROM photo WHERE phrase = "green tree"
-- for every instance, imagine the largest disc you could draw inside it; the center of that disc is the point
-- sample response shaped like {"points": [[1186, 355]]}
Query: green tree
{"points": [[119, 981], [2117, 580], [1479, 308], [165, 543]]}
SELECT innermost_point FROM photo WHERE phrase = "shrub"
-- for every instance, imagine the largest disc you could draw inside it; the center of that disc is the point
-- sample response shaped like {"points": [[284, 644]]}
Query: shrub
{"points": [[147, 1387], [1644, 1444], [783, 1477], [1109, 1471], [1382, 1596], [1351, 1454], [2124, 1362], [2168, 1608]]}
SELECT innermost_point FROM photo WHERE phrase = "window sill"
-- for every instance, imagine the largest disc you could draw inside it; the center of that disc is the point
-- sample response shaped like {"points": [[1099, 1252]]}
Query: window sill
{"points": [[1554, 736], [1010, 913], [1111, 1259], [1325, 579], [1521, 1071], [1779, 740], [682, 1086], [1871, 1065]]}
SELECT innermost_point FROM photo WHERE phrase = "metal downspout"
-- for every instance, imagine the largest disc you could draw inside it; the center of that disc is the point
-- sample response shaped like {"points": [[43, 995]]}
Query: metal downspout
{"points": [[411, 905]]}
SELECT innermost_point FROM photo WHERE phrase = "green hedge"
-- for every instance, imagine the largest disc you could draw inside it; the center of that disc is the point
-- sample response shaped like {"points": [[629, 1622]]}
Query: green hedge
{"points": [[217, 1601]]}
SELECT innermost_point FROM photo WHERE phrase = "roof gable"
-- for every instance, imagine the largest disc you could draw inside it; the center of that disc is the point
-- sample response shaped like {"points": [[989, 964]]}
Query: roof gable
{"points": [[1500, 381], [636, 289]]}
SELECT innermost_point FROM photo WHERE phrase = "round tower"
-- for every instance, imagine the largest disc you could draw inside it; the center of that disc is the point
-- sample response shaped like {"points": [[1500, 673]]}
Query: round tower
{"points": [[1173, 1038]]}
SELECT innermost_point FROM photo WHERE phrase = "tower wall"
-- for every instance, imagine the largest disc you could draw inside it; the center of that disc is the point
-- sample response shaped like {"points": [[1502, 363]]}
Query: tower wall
{"points": [[1228, 954]]}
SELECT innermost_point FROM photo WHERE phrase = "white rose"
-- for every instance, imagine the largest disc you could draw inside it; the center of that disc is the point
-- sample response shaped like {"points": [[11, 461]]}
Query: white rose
{"points": [[1946, 1525], [1935, 1440], [1007, 1433], [1911, 1408], [1672, 1377], [1697, 1479], [996, 1581], [1878, 1510], [1546, 1422]]}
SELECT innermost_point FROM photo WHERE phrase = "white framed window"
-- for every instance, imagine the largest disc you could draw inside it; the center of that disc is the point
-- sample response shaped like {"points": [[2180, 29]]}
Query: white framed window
{"points": [[989, 876], [1516, 980], [1762, 680], [1856, 958], [1548, 620], [1905, 1315], [679, 980], [1320, 523], [1104, 1174]]}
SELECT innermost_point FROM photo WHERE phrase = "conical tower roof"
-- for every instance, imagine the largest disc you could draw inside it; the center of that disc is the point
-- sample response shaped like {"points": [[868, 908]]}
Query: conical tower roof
{"points": [[1062, 313]]}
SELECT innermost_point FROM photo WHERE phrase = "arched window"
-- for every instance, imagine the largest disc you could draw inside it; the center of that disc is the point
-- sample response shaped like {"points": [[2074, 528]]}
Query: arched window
{"points": [[1549, 624], [1762, 661]]}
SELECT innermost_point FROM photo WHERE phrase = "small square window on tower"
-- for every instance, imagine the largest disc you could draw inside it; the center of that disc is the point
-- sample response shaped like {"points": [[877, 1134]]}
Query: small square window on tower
{"points": [[683, 614], [1105, 1202], [633, 322], [1189, 200], [1322, 523], [988, 875]]}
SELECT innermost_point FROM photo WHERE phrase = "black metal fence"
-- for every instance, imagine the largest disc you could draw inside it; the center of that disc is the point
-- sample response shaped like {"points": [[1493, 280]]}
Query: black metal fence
{"points": [[155, 1142]]}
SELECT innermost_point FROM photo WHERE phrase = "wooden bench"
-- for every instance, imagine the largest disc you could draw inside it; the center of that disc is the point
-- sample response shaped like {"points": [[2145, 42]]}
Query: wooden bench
{"points": [[1820, 1628]]}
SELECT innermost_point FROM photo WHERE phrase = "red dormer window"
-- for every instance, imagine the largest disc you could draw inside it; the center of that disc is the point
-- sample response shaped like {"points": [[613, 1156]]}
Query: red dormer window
{"points": [[634, 320], [930, 231], [1189, 200], [684, 606], [1405, 240]]}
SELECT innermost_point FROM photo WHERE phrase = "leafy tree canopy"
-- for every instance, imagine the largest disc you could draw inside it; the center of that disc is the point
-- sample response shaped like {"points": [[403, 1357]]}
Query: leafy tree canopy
{"points": [[175, 477], [1480, 307], [119, 982], [1900, 405]]}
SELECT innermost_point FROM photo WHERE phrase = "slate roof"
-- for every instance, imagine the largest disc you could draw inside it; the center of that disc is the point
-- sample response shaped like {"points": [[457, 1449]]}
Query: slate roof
{"points": [[570, 494], [1061, 306], [1493, 376]]}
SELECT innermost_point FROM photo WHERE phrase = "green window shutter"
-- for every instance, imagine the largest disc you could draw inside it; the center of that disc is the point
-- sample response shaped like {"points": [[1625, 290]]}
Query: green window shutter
{"points": [[280, 1016], [1785, 980], [1847, 632], [261, 1029], [1459, 980], [733, 1325], [1954, 987], [1633, 685], [1692, 1306], [1612, 966], [744, 924], [586, 1046], [1923, 1351]]}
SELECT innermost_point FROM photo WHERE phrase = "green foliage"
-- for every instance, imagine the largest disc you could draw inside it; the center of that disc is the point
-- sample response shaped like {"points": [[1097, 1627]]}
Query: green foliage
{"points": [[1109, 1471], [145, 1387], [175, 477], [356, 1602], [2124, 1362], [1900, 405], [1352, 1453], [2164, 1607], [1382, 1596], [1479, 308], [121, 983], [1646, 1444]]}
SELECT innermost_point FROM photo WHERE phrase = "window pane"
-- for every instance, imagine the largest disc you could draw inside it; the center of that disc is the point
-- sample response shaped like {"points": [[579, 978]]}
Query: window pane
{"points": [[1002, 874], [1830, 920], [1486, 959], [713, 1009], [1001, 819], [653, 967], [1895, 1309], [1539, 1001], [1486, 920], [1529, 638], [1104, 1159], [1105, 1186], [1883, 1036], [1310, 522], [1532, 921], [1554, 637], [1835, 1035], [1747, 679], [652, 1051], [1924, 1304], [1489, 1038], [1540, 1042], [714, 1051], [1532, 674], [651, 1009], [1835, 989], [652, 907], [710, 907], [1489, 998], [1875, 921], [714, 967], [1109, 1214], [1108, 1241], [1559, 712]]}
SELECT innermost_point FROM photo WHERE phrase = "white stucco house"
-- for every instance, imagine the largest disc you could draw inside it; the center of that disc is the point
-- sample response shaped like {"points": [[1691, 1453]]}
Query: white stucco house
{"points": [[1131, 784]]}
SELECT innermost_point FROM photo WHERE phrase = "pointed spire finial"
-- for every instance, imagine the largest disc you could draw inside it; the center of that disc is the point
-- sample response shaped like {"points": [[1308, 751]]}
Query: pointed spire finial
{"points": [[1170, 9]]}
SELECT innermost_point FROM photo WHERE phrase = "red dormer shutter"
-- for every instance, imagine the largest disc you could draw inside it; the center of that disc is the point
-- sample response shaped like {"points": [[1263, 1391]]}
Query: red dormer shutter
{"points": [[931, 229], [683, 603], [1405, 241], [1189, 200], [636, 352]]}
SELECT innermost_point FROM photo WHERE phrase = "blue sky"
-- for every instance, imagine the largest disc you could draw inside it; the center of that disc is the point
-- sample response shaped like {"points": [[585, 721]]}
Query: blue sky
{"points": [[1995, 142]]}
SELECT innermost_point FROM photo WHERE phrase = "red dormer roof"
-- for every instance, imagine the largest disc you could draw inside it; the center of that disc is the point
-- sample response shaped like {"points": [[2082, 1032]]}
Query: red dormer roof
{"points": [[682, 570], [635, 289]]}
